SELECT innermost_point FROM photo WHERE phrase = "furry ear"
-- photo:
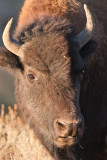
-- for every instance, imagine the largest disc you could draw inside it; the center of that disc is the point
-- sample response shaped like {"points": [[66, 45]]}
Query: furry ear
{"points": [[9, 61], [88, 49]]}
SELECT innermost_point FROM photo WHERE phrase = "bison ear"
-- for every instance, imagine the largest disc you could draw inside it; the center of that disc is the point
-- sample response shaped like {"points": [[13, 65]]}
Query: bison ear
{"points": [[88, 49], [9, 61]]}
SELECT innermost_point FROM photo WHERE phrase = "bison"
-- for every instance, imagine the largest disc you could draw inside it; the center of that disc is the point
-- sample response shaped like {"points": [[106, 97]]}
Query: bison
{"points": [[48, 56]]}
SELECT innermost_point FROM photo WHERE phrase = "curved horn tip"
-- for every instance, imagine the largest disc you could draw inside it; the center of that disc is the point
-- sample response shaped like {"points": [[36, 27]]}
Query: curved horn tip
{"points": [[9, 23], [7, 27], [91, 23], [87, 11], [84, 36], [85, 7], [11, 20], [10, 44]]}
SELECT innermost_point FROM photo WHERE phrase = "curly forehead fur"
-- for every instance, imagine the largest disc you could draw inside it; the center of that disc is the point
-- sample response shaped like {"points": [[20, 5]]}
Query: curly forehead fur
{"points": [[32, 9], [46, 25]]}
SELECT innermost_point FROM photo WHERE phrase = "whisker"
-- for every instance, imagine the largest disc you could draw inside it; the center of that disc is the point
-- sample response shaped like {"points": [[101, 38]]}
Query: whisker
{"points": [[81, 147]]}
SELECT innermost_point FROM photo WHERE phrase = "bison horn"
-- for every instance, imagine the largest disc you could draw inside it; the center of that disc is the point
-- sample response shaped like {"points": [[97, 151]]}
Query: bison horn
{"points": [[11, 45], [84, 36]]}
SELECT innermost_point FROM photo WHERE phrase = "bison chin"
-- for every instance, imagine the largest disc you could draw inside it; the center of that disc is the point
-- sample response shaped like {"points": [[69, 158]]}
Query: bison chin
{"points": [[64, 148], [62, 142]]}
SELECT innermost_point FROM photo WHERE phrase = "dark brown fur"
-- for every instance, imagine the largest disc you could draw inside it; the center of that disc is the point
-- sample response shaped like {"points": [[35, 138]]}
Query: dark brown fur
{"points": [[93, 98]]}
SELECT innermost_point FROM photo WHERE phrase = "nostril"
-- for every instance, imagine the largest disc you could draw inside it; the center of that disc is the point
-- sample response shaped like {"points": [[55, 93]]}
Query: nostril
{"points": [[61, 125], [64, 129]]}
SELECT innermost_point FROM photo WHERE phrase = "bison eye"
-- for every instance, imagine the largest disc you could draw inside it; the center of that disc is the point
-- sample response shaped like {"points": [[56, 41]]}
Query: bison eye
{"points": [[31, 76]]}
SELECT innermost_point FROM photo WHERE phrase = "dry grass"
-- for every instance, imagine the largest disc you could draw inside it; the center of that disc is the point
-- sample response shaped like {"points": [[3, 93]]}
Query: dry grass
{"points": [[17, 141]]}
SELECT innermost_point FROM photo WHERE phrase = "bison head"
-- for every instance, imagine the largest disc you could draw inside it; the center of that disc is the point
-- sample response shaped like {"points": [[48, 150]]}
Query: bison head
{"points": [[47, 61]]}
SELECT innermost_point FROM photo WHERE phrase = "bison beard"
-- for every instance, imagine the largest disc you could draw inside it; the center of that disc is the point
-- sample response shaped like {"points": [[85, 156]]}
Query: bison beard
{"points": [[47, 58]]}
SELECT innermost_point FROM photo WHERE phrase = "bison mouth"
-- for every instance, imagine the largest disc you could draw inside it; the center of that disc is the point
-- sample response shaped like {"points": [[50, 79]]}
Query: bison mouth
{"points": [[65, 141]]}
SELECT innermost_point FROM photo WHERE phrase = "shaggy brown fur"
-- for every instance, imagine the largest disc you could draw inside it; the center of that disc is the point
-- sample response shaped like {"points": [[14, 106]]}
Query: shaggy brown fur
{"points": [[35, 8]]}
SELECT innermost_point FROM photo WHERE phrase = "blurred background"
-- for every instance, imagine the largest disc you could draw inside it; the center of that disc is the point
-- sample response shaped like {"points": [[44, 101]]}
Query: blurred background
{"points": [[8, 9]]}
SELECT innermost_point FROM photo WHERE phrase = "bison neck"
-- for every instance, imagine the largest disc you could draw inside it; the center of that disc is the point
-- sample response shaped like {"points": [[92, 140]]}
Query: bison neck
{"points": [[93, 106]]}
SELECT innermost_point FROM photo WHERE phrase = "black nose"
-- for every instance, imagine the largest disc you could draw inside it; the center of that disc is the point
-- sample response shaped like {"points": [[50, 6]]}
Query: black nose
{"points": [[65, 129]]}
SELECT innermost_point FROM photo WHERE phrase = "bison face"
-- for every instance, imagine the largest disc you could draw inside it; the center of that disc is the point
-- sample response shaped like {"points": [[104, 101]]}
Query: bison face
{"points": [[51, 87], [48, 88], [48, 68]]}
